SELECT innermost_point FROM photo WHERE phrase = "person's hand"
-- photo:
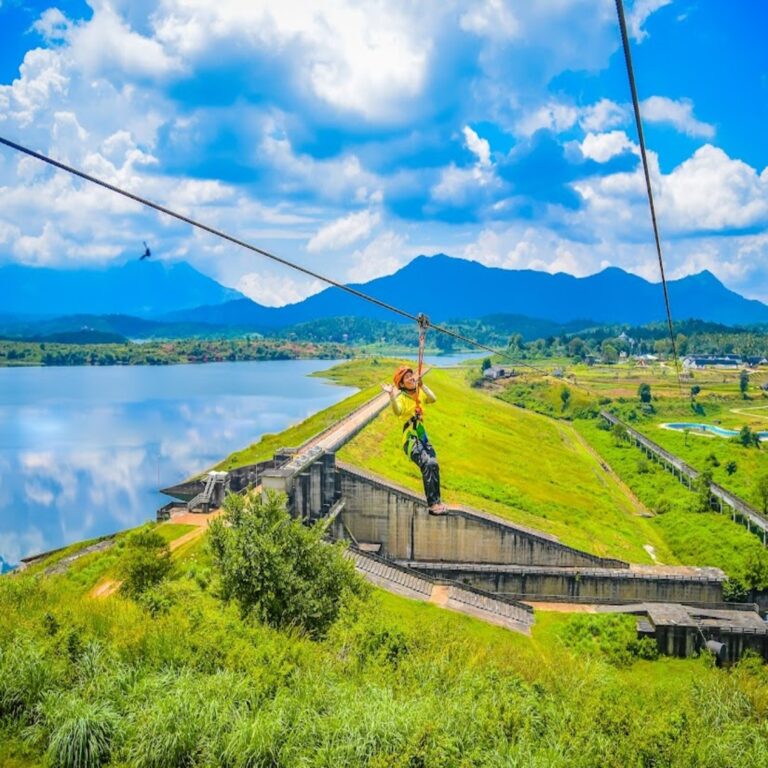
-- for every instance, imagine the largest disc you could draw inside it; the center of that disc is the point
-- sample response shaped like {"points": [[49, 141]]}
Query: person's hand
{"points": [[389, 389]]}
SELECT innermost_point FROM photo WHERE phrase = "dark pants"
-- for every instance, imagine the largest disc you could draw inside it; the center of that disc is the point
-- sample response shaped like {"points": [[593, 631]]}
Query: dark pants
{"points": [[423, 454]]}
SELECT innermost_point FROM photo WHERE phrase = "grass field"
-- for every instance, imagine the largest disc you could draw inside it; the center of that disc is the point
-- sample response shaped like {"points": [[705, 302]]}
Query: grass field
{"points": [[532, 470], [396, 683]]}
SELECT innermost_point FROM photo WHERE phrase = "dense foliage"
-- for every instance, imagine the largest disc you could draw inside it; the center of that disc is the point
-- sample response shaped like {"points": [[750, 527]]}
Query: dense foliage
{"points": [[279, 569], [87, 683], [164, 353]]}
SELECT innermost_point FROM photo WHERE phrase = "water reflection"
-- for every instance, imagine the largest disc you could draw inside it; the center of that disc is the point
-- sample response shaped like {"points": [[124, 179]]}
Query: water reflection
{"points": [[84, 450]]}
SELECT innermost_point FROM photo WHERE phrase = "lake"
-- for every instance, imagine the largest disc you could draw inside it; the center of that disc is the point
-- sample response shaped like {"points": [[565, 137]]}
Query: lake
{"points": [[84, 450]]}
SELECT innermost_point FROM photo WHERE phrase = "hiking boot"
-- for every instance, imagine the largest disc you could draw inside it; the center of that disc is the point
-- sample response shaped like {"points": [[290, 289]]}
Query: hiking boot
{"points": [[438, 509]]}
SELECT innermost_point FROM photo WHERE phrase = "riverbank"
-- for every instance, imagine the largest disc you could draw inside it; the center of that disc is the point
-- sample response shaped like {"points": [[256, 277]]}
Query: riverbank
{"points": [[20, 354]]}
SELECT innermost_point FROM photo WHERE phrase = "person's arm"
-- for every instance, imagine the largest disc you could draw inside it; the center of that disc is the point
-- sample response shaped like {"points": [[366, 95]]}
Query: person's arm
{"points": [[394, 400], [429, 394]]}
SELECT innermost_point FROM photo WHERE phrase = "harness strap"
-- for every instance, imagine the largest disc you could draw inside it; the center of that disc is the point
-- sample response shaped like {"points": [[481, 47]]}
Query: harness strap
{"points": [[423, 321]]}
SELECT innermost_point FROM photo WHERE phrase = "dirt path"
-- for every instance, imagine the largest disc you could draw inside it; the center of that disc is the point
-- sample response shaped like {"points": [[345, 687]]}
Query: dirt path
{"points": [[107, 587]]}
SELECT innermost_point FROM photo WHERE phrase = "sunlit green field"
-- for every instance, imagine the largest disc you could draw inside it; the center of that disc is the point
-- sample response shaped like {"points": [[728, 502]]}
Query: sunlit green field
{"points": [[530, 469]]}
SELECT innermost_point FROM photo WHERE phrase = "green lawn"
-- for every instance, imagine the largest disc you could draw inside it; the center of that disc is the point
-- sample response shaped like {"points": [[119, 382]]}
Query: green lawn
{"points": [[694, 538], [396, 683], [523, 466]]}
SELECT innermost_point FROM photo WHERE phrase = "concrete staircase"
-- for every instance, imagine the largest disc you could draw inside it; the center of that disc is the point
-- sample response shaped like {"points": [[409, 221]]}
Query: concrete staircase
{"points": [[455, 597]]}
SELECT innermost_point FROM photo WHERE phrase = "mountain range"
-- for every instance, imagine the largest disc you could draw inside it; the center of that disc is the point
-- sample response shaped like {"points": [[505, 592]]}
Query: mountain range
{"points": [[448, 288], [142, 289], [158, 297]]}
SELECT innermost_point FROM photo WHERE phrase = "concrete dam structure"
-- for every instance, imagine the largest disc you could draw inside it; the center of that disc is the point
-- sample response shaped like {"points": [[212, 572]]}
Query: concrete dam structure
{"points": [[473, 561]]}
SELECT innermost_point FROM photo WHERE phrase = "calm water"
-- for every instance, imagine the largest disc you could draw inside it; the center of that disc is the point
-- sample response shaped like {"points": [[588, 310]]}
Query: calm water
{"points": [[84, 450]]}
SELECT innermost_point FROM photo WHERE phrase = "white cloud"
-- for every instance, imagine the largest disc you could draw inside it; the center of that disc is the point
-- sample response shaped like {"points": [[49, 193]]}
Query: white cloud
{"points": [[659, 109], [274, 290], [105, 44], [492, 19], [366, 58], [457, 185], [603, 115], [480, 148], [553, 116], [344, 231], [41, 78], [382, 256], [14, 546], [641, 11], [713, 191], [601, 147]]}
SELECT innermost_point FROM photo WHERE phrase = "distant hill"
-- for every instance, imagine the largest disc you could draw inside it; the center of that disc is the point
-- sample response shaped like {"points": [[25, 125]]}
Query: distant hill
{"points": [[5, 567], [117, 325], [83, 336], [446, 288], [182, 301], [139, 288]]}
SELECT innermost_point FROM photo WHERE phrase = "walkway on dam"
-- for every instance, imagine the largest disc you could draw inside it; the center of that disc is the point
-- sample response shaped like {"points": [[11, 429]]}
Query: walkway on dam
{"points": [[687, 475]]}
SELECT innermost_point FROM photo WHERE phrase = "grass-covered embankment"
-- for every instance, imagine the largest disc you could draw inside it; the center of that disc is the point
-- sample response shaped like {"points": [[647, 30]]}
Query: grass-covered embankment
{"points": [[532, 470], [181, 681], [695, 537], [708, 452]]}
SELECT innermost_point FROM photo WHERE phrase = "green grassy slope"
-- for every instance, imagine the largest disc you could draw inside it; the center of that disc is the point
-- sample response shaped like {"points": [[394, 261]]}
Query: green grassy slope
{"points": [[396, 683], [530, 469]]}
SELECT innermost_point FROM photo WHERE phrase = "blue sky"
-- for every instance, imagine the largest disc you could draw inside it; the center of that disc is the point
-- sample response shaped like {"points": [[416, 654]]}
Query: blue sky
{"points": [[353, 136]]}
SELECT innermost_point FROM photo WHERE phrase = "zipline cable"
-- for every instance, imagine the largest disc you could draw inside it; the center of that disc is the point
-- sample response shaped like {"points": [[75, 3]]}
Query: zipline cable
{"points": [[243, 244], [641, 138]]}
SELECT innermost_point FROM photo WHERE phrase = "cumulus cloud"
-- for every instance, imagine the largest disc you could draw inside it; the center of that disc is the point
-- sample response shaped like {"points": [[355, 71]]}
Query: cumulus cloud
{"points": [[641, 11], [554, 116], [382, 256], [603, 115], [679, 114], [601, 147], [480, 148], [364, 58], [344, 231], [275, 290], [492, 19]]}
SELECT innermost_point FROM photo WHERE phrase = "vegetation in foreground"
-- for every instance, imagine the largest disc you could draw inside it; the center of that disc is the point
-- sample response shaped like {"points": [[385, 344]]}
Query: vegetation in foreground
{"points": [[179, 678]]}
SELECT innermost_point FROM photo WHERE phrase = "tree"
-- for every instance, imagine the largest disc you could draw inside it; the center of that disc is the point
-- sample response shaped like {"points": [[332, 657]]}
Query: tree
{"points": [[565, 396], [620, 434], [747, 437], [761, 486], [743, 383], [644, 393], [702, 486], [277, 569], [609, 352], [516, 342], [146, 563], [731, 467], [486, 364], [576, 347], [695, 389]]}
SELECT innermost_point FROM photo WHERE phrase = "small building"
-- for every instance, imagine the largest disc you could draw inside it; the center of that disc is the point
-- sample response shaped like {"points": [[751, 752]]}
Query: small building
{"points": [[497, 372], [712, 361]]}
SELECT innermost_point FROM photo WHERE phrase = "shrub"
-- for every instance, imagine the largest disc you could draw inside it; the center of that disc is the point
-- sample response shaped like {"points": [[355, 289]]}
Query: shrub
{"points": [[82, 732], [278, 569], [147, 561]]}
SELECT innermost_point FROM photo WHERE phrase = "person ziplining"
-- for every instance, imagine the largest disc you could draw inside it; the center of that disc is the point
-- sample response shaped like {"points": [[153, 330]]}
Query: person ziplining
{"points": [[405, 399]]}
